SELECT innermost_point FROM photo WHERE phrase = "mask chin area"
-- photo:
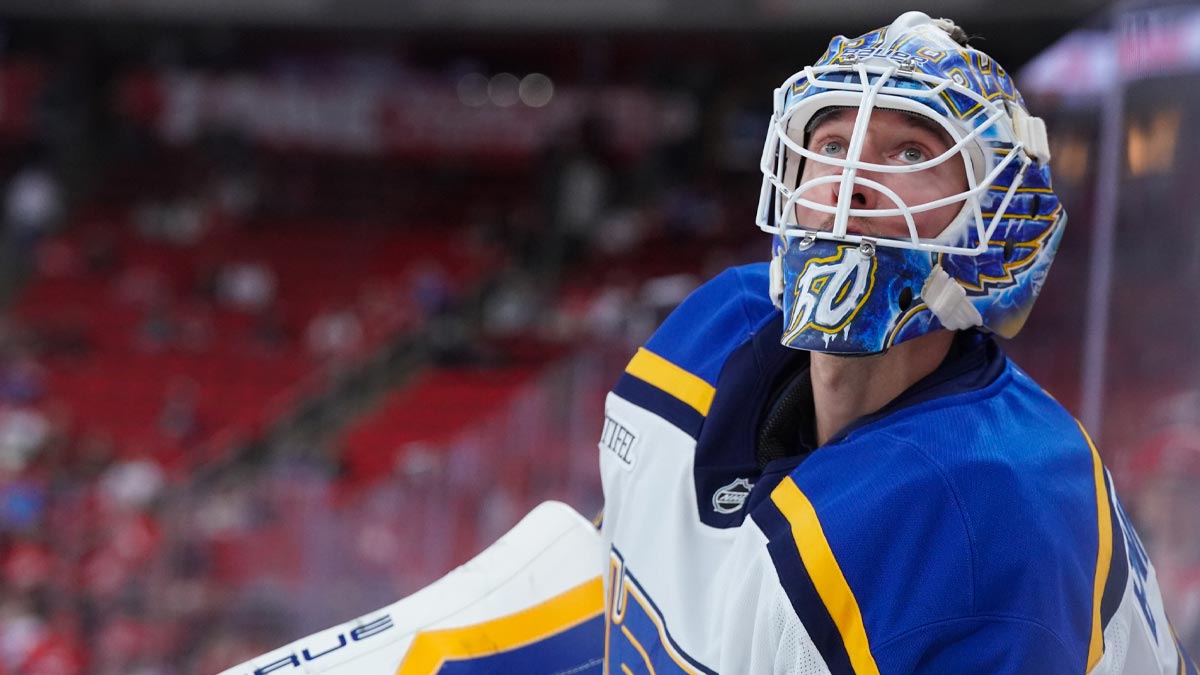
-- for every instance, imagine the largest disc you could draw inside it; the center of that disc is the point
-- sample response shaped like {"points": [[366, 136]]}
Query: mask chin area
{"points": [[837, 299]]}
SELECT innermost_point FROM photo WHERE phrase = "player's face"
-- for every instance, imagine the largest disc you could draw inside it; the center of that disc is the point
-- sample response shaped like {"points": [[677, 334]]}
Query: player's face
{"points": [[893, 138]]}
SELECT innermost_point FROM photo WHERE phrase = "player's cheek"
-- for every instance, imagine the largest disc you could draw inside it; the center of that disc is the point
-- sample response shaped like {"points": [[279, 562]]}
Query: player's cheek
{"points": [[938, 219], [934, 184], [914, 188]]}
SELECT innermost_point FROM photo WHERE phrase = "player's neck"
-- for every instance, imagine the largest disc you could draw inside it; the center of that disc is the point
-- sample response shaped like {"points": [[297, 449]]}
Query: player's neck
{"points": [[845, 389]]}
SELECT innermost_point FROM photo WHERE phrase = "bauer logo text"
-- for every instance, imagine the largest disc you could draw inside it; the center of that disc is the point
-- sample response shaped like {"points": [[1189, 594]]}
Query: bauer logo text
{"points": [[321, 646]]}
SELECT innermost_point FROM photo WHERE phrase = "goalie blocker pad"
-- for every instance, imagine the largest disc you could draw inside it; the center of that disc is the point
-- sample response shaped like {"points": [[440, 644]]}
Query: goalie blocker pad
{"points": [[530, 603]]}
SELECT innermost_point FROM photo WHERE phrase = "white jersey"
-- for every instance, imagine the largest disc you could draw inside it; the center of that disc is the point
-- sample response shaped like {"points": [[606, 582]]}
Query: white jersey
{"points": [[967, 527]]}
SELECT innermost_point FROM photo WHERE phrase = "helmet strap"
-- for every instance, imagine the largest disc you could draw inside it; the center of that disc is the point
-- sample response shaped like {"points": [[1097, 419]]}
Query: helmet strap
{"points": [[1031, 132], [947, 299], [777, 280]]}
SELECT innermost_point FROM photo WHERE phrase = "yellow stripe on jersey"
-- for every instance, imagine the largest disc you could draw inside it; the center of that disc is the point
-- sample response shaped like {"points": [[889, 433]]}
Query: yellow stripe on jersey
{"points": [[1103, 553], [655, 370], [1178, 652], [431, 649], [826, 574]]}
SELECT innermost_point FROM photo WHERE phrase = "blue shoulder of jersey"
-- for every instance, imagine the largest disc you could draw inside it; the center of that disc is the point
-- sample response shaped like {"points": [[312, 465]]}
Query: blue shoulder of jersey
{"points": [[714, 320], [675, 374], [959, 534]]}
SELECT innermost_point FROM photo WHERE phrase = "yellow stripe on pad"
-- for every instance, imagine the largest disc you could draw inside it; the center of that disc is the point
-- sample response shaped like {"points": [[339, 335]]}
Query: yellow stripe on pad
{"points": [[826, 574], [562, 612], [1103, 553], [655, 370]]}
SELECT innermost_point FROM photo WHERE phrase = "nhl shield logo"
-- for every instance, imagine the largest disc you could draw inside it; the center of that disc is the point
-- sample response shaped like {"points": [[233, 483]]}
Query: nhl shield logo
{"points": [[731, 498]]}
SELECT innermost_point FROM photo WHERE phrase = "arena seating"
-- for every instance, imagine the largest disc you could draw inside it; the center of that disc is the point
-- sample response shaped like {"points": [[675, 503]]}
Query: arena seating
{"points": [[117, 379]]}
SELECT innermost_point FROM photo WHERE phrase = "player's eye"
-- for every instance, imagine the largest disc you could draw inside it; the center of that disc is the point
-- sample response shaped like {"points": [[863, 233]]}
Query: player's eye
{"points": [[912, 155], [832, 148]]}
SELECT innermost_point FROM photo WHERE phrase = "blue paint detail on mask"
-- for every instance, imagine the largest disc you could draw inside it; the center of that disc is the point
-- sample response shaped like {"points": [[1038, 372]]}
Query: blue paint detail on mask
{"points": [[838, 300]]}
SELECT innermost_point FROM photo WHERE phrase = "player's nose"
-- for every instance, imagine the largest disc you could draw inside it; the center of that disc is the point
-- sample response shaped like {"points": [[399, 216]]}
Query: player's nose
{"points": [[860, 196]]}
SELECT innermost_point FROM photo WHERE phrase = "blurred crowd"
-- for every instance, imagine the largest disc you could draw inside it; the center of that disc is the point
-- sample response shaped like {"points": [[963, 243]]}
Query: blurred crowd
{"points": [[174, 296]]}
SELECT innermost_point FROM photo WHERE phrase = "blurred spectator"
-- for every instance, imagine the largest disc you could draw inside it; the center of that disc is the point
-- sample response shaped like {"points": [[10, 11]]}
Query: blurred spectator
{"points": [[621, 231], [157, 330], [60, 650], [269, 332], [577, 189], [179, 418], [21, 630], [608, 314], [22, 378], [430, 287], [334, 334], [234, 195], [33, 204], [180, 222], [247, 285], [132, 484], [22, 505], [23, 433], [512, 306]]}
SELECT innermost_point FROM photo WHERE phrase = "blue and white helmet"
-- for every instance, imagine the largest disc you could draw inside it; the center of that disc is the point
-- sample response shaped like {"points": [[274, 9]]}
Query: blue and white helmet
{"points": [[845, 292]]}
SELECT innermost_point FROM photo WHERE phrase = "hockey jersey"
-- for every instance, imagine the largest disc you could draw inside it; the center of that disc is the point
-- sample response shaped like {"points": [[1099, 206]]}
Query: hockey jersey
{"points": [[967, 527]]}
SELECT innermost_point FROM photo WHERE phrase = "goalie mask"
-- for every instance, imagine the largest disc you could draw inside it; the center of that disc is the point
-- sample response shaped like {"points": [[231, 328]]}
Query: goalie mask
{"points": [[879, 240]]}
